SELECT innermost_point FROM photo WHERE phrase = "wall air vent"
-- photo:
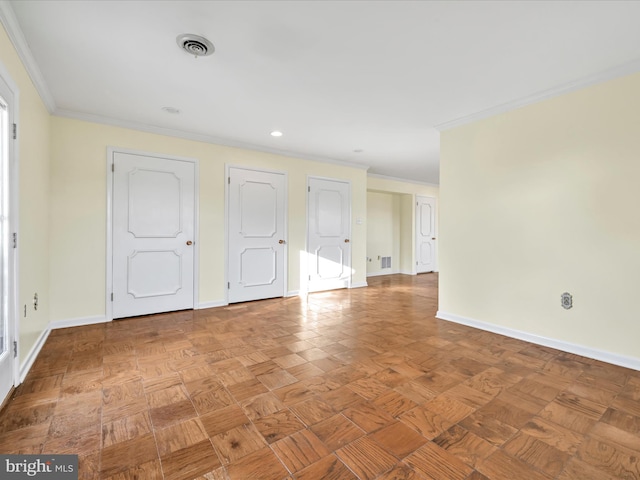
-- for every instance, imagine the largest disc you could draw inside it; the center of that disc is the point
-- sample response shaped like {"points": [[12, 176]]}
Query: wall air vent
{"points": [[195, 45]]}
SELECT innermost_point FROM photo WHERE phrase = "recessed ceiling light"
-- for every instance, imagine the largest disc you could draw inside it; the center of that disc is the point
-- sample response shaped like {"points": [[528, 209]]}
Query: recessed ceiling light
{"points": [[172, 110], [276, 133], [358, 150]]}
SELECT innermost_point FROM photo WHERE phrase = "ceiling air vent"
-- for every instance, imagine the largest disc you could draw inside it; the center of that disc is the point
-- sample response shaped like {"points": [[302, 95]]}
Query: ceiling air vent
{"points": [[195, 45]]}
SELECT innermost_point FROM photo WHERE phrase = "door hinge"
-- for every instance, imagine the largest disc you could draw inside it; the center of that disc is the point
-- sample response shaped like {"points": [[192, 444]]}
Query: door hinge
{"points": [[15, 240], [309, 277], [113, 167], [416, 263], [112, 296], [229, 180], [308, 189], [15, 131], [228, 285], [15, 348]]}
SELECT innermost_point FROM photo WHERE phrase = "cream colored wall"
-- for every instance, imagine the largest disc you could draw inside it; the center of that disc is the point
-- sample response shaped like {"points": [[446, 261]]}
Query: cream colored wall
{"points": [[33, 158], [544, 200], [407, 234], [78, 204], [383, 231], [405, 193]]}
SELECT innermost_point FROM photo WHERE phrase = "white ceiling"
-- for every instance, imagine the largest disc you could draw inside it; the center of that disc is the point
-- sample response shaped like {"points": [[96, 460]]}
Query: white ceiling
{"points": [[334, 76]]}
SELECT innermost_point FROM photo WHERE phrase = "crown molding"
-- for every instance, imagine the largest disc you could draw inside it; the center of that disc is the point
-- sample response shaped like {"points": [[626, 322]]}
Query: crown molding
{"points": [[403, 180], [12, 27], [603, 76], [198, 137]]}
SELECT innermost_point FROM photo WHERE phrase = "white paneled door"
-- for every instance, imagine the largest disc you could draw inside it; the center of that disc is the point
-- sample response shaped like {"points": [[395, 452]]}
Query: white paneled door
{"points": [[153, 234], [425, 234], [329, 234], [257, 234]]}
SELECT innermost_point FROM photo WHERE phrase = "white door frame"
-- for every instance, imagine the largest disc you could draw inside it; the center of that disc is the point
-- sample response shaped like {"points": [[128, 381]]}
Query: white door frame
{"points": [[304, 269], [11, 268], [227, 167], [111, 151]]}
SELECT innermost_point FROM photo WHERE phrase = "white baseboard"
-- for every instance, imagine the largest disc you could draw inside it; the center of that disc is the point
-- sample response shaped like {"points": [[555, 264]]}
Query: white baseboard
{"points": [[78, 322], [359, 285], [292, 293], [214, 304], [594, 353], [381, 273], [33, 354], [35, 350], [399, 272]]}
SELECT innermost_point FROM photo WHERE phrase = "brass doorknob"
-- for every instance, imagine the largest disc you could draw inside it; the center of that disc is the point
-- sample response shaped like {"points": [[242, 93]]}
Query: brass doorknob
{"points": [[189, 242], [280, 242], [346, 240]]}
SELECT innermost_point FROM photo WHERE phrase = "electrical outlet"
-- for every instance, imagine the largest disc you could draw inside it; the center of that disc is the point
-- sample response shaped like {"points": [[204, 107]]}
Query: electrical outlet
{"points": [[566, 300]]}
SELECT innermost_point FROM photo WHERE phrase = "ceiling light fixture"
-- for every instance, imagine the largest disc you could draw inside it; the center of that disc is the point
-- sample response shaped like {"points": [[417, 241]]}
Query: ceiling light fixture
{"points": [[358, 150], [195, 45], [171, 110], [276, 133]]}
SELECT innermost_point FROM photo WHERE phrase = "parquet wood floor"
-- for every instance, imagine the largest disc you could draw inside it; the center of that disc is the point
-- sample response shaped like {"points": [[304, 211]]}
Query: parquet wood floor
{"points": [[350, 384]]}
